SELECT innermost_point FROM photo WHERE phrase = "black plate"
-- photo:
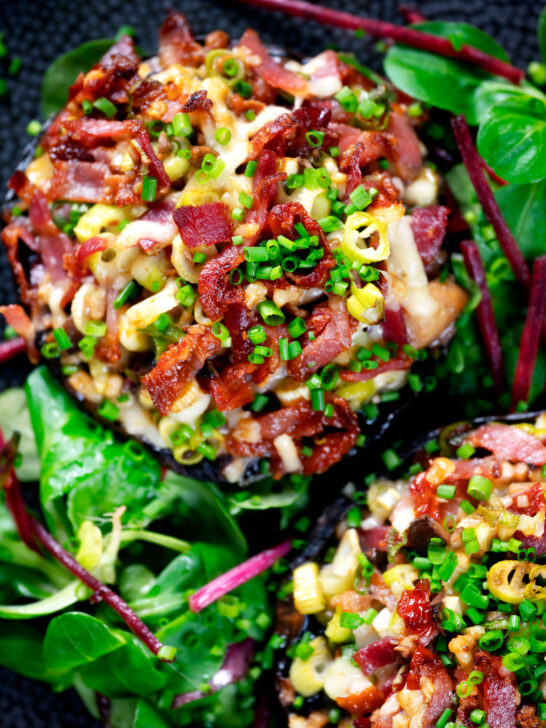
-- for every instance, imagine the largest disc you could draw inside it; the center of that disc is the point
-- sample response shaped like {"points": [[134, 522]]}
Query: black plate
{"points": [[39, 30]]}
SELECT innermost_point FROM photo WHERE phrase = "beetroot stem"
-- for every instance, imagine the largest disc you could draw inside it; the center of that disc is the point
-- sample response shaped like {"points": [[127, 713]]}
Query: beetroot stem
{"points": [[380, 29], [30, 530], [484, 313], [530, 337], [473, 163], [11, 347]]}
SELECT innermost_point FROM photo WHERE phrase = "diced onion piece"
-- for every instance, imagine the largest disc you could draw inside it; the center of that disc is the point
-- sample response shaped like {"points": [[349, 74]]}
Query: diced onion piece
{"points": [[308, 594], [288, 453], [307, 676]]}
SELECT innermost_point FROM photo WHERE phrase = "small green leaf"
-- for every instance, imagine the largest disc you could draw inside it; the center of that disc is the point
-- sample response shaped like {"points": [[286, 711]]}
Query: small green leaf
{"points": [[75, 639], [523, 209], [147, 717], [428, 77], [21, 651], [512, 139], [496, 93], [62, 599], [63, 72]]}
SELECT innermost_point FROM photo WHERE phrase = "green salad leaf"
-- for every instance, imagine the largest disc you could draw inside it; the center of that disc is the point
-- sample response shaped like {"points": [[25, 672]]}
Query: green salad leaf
{"points": [[76, 638], [443, 82], [62, 73], [512, 138], [14, 417], [523, 209]]}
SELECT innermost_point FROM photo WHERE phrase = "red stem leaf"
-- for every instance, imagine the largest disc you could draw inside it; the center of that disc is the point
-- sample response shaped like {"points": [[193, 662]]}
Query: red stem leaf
{"points": [[240, 574], [473, 163], [530, 337], [411, 14], [12, 490], [484, 313], [380, 29], [10, 348]]}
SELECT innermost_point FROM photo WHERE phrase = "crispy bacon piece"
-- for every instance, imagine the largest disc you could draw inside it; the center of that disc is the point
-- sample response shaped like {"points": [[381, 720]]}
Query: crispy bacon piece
{"points": [[374, 539], [281, 221], [415, 609], [92, 182], [334, 337], [533, 498], [426, 668], [216, 292], [91, 133], [238, 320], [376, 655], [17, 318], [424, 494], [285, 135], [231, 388], [206, 224], [176, 42], [364, 702], [266, 189], [500, 694], [428, 225], [397, 364], [300, 420], [488, 467], [155, 166], [509, 443], [394, 325], [108, 349], [272, 72], [178, 365], [407, 154], [10, 237]]}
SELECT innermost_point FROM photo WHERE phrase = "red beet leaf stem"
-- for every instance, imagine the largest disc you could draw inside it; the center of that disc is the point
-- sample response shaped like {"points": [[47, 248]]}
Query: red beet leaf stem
{"points": [[10, 348], [484, 313], [473, 163], [29, 530], [240, 574], [12, 490], [530, 337], [411, 14], [380, 29]]}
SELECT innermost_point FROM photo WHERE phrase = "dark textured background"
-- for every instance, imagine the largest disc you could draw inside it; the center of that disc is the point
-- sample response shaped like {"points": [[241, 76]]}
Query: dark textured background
{"points": [[39, 30]]}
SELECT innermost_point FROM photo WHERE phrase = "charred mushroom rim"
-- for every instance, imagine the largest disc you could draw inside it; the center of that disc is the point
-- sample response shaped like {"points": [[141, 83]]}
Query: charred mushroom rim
{"points": [[230, 257], [427, 610]]}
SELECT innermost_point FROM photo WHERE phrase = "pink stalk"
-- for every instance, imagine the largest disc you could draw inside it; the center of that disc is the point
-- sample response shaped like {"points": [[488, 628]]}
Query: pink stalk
{"points": [[412, 15], [493, 175], [530, 337], [11, 347], [473, 164], [30, 530], [240, 574], [484, 313], [381, 29], [12, 490]]}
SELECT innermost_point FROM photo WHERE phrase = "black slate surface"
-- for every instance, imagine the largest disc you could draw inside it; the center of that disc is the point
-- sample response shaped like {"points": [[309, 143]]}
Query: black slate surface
{"points": [[39, 30]]}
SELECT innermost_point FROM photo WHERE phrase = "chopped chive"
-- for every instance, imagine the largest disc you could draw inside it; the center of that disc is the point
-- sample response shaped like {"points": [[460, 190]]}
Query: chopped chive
{"points": [[223, 135], [108, 410], [126, 294], [250, 169], [106, 106], [199, 257], [149, 188], [62, 339], [182, 125]]}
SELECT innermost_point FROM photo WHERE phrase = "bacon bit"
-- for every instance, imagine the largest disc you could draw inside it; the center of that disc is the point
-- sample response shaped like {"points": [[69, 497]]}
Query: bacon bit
{"points": [[398, 363], [334, 338], [178, 365], [91, 133], [464, 469], [17, 318], [376, 655], [425, 664], [509, 443], [92, 182], [484, 313], [206, 224], [534, 497], [500, 694], [530, 337], [108, 349], [352, 601], [266, 189], [281, 221], [10, 348], [428, 225], [155, 166], [285, 135], [331, 451], [273, 73], [473, 164], [415, 609], [10, 237], [364, 702], [231, 389], [374, 538], [407, 155], [369, 147], [238, 320], [176, 42], [381, 29], [216, 293], [394, 326], [424, 494], [240, 574]]}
